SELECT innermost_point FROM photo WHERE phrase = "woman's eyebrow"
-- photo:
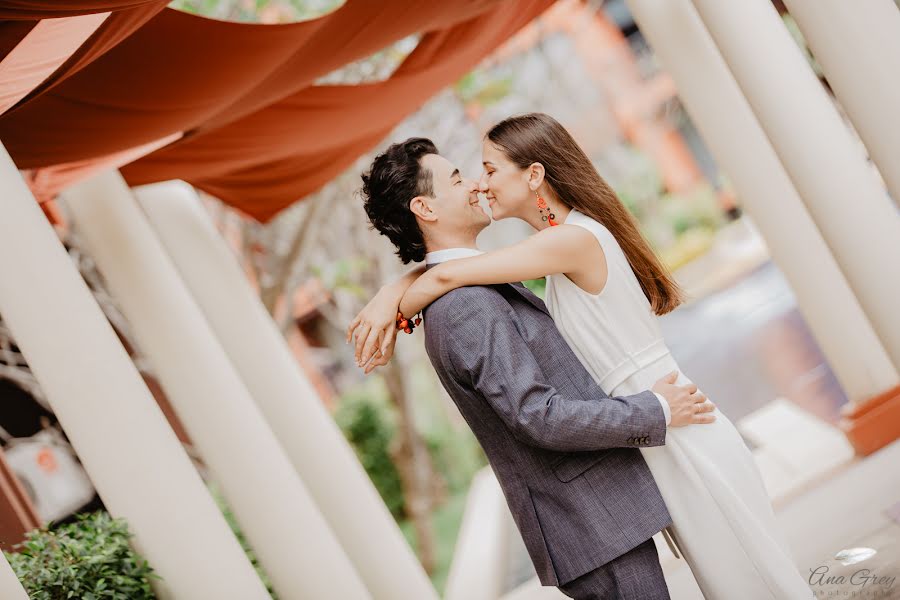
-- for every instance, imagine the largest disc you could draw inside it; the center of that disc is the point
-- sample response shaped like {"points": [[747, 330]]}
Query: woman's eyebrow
{"points": [[455, 173]]}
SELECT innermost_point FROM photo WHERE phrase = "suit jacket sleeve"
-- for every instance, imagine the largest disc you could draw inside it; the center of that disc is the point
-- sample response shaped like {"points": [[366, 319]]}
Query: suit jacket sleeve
{"points": [[483, 348]]}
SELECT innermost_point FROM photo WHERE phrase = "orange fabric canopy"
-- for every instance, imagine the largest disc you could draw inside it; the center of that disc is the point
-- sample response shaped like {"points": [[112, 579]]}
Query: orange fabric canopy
{"points": [[256, 133]]}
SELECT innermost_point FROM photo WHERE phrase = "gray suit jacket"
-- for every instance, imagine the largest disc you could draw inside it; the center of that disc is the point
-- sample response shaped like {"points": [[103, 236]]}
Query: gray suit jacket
{"points": [[566, 455]]}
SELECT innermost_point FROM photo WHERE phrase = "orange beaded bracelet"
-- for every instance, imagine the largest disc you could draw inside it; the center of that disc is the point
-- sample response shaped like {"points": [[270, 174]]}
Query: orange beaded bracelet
{"points": [[405, 324]]}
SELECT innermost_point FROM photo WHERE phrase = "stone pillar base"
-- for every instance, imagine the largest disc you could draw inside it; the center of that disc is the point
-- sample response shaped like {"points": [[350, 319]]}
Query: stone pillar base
{"points": [[872, 424]]}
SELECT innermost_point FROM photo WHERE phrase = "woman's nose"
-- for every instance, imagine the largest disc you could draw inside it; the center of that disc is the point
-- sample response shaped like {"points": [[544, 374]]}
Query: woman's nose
{"points": [[483, 184]]}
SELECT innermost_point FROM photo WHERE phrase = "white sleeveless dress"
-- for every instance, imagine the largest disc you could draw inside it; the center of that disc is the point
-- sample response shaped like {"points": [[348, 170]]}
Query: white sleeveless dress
{"points": [[723, 522]]}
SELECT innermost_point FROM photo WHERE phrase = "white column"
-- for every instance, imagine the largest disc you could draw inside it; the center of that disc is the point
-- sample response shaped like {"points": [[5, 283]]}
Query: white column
{"points": [[843, 195], [314, 443], [10, 587], [293, 542], [481, 553], [730, 129], [122, 438], [857, 44]]}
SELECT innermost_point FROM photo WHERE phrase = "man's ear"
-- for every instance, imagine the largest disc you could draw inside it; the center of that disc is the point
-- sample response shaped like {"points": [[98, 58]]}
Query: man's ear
{"points": [[420, 207], [535, 175]]}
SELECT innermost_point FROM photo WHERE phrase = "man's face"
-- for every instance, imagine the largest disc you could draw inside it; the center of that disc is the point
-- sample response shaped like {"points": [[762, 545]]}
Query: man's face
{"points": [[455, 204]]}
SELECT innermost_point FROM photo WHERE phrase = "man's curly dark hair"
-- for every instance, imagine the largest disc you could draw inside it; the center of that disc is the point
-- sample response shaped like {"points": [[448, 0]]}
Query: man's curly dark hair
{"points": [[396, 177]]}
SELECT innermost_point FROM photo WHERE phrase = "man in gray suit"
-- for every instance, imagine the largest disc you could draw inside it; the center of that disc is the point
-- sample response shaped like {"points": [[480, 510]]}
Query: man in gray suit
{"points": [[565, 454]]}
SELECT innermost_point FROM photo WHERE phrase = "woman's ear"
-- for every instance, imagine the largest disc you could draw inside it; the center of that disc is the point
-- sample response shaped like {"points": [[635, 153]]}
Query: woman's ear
{"points": [[419, 206], [535, 176]]}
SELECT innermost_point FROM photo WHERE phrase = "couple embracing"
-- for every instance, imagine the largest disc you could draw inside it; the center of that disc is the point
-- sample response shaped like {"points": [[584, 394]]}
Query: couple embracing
{"points": [[597, 438]]}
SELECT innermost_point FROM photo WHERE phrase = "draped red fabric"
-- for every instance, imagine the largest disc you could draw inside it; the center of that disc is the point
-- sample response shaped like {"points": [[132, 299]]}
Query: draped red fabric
{"points": [[125, 18], [12, 32], [266, 161], [258, 134], [52, 9], [180, 69]]}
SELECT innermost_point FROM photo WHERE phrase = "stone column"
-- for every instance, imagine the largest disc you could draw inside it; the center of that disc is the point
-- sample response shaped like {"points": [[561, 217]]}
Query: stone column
{"points": [[844, 197], [741, 148], [726, 121], [122, 438], [857, 44], [10, 588], [294, 544], [316, 447]]}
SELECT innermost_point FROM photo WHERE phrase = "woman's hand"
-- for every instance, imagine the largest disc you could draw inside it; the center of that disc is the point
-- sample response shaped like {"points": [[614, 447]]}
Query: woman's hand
{"points": [[376, 330]]}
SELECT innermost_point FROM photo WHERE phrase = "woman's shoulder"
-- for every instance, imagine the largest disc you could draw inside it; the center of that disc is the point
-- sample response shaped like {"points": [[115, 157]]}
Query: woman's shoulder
{"points": [[576, 217], [605, 238]]}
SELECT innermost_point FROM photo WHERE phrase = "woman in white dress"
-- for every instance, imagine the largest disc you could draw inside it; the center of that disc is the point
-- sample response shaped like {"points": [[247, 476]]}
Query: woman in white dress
{"points": [[605, 288]]}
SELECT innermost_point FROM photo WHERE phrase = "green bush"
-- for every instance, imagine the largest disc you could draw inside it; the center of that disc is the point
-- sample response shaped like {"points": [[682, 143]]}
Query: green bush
{"points": [[697, 209], [455, 454], [89, 559], [368, 422]]}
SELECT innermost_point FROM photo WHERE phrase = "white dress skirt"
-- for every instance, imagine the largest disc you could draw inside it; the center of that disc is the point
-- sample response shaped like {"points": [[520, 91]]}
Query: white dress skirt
{"points": [[723, 522]]}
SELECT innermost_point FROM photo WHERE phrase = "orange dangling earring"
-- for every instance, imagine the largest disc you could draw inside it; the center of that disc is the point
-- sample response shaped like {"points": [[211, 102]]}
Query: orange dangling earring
{"points": [[542, 206]]}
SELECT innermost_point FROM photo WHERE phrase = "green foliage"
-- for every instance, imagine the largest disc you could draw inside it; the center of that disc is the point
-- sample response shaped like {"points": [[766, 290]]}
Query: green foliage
{"points": [[217, 495], [678, 226], [368, 422], [630, 202], [344, 274], [455, 454], [249, 12], [456, 457], [92, 560], [89, 559], [454, 451], [538, 286], [199, 7], [697, 209], [640, 184], [482, 88]]}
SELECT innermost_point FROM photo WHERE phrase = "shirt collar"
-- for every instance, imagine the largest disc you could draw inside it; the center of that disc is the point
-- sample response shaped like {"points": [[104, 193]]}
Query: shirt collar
{"points": [[439, 256]]}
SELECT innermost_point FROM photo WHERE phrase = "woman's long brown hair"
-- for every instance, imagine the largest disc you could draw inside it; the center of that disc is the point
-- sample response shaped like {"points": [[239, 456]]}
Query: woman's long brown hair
{"points": [[539, 138]]}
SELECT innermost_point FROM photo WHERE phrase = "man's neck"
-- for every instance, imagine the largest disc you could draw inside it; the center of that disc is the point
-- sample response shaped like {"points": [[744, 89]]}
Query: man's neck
{"points": [[441, 253], [435, 247], [448, 243]]}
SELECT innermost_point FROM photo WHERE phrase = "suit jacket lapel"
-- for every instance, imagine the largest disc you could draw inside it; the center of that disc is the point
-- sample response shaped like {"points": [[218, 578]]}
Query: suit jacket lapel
{"points": [[529, 296], [520, 288]]}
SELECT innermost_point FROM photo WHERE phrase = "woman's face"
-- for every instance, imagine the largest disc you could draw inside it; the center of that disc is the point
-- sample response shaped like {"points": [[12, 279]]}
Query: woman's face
{"points": [[504, 184]]}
